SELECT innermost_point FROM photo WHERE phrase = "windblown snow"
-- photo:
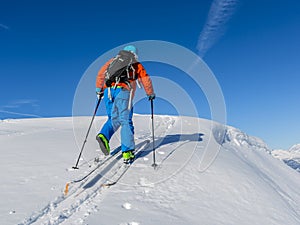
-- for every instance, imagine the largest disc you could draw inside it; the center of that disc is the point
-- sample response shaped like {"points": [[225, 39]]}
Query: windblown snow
{"points": [[242, 184]]}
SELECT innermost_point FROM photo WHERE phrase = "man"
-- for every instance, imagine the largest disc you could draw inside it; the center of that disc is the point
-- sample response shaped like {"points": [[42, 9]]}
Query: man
{"points": [[118, 92]]}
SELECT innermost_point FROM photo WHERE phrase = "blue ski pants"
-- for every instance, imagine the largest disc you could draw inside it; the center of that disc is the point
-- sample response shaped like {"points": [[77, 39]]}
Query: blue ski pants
{"points": [[119, 115]]}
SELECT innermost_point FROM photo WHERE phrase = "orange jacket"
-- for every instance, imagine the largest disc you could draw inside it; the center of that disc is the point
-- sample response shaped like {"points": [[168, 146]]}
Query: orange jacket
{"points": [[140, 72]]}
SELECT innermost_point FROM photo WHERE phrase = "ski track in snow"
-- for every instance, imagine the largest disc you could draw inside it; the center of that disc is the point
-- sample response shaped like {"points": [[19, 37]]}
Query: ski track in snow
{"points": [[78, 201], [82, 201]]}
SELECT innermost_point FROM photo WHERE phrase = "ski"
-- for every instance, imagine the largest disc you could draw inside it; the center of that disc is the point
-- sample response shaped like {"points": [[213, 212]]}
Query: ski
{"points": [[98, 165], [124, 167], [107, 164]]}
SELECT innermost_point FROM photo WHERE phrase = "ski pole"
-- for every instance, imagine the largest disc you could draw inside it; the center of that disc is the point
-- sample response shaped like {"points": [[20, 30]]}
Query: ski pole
{"points": [[87, 134], [153, 147]]}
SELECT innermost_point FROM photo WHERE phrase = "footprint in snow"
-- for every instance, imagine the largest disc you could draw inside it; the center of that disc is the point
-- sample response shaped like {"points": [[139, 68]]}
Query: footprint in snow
{"points": [[53, 188], [145, 183], [126, 206], [130, 223]]}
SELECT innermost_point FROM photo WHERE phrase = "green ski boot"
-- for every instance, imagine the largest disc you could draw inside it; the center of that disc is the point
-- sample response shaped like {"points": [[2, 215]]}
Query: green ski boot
{"points": [[103, 143], [128, 156]]}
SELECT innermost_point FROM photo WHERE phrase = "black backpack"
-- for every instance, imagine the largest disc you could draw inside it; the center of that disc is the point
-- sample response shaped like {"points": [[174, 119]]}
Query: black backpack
{"points": [[121, 70]]}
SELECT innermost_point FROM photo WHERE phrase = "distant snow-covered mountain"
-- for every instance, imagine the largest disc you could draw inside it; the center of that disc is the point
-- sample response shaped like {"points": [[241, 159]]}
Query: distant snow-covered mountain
{"points": [[295, 149], [291, 157]]}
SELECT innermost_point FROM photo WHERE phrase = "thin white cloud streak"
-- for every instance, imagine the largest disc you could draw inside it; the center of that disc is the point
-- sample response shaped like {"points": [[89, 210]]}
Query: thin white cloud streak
{"points": [[20, 114], [215, 26], [4, 26], [22, 102], [19, 105]]}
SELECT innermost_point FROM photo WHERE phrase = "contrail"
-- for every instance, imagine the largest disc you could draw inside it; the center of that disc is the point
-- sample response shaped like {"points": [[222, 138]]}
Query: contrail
{"points": [[18, 104], [4, 26], [20, 114], [215, 26]]}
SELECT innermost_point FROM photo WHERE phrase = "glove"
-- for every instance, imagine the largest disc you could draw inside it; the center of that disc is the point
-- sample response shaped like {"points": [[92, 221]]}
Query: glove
{"points": [[151, 97], [99, 93]]}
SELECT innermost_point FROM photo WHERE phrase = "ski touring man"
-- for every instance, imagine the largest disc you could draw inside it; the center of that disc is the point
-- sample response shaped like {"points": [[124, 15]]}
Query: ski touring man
{"points": [[116, 82]]}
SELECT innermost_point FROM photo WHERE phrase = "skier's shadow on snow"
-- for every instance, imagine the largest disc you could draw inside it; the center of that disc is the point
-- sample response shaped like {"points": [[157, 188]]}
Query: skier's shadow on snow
{"points": [[181, 139]]}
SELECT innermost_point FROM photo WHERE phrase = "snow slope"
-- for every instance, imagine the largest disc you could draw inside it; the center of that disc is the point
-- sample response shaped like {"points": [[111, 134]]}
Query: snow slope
{"points": [[244, 184]]}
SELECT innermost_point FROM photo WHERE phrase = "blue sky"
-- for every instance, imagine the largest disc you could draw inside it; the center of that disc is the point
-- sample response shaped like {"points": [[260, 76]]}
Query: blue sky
{"points": [[46, 46]]}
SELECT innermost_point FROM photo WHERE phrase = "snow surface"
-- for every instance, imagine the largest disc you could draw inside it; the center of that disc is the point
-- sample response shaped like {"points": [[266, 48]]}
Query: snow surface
{"points": [[243, 184]]}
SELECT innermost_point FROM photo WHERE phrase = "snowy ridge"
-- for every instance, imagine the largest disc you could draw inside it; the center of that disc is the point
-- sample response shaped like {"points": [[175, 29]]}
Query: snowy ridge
{"points": [[243, 184], [236, 138]]}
